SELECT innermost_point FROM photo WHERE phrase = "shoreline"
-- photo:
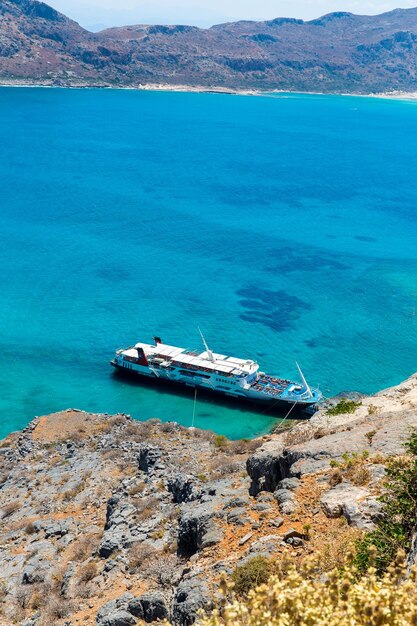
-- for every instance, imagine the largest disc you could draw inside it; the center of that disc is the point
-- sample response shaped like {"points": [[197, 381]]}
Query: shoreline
{"points": [[165, 87]]}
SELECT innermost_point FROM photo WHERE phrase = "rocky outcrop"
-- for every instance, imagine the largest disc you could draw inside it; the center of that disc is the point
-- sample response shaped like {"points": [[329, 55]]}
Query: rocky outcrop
{"points": [[142, 508], [117, 612], [192, 595], [378, 427], [198, 528], [118, 521], [183, 488], [149, 457], [153, 607], [354, 503]]}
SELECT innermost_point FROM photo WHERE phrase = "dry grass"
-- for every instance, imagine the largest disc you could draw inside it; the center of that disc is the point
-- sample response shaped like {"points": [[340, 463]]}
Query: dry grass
{"points": [[299, 434], [10, 508], [71, 494], [58, 608], [84, 547], [137, 489], [139, 554], [87, 572], [84, 591], [23, 596], [145, 508], [338, 540], [162, 569], [244, 446], [354, 468], [335, 478], [169, 428], [113, 454]]}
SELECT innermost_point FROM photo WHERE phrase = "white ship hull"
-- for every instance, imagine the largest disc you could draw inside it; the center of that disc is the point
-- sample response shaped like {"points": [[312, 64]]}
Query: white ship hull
{"points": [[229, 377]]}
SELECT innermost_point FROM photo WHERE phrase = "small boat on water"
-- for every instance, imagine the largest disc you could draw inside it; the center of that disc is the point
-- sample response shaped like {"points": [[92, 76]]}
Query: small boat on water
{"points": [[232, 377]]}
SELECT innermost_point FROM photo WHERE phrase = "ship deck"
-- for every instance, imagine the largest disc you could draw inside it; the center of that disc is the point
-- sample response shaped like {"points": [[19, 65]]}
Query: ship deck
{"points": [[270, 385]]}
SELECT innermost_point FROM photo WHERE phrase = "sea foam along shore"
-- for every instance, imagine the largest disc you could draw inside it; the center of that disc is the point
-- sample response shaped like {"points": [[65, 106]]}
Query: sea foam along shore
{"points": [[51, 84]]}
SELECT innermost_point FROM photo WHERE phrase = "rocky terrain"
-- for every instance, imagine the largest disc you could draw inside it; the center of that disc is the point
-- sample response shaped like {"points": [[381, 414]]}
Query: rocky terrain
{"points": [[339, 52], [113, 522]]}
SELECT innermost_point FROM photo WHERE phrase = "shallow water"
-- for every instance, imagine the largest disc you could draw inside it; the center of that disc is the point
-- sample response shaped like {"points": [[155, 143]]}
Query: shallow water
{"points": [[285, 226]]}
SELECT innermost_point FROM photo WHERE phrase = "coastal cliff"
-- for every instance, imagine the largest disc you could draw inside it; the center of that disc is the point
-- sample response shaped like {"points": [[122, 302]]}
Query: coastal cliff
{"points": [[339, 52], [109, 521]]}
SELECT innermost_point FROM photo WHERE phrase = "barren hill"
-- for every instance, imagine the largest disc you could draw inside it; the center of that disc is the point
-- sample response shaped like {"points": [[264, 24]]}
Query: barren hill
{"points": [[339, 52]]}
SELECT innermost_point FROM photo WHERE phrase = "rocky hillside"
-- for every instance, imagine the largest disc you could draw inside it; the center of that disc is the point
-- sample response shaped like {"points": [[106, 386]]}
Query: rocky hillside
{"points": [[113, 522], [338, 52]]}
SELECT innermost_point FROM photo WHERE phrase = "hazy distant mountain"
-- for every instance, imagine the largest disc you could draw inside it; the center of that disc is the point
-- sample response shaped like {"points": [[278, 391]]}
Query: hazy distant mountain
{"points": [[338, 52]]}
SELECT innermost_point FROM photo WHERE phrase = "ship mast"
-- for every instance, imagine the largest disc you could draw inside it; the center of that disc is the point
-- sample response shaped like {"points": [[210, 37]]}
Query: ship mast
{"points": [[209, 352], [305, 383]]}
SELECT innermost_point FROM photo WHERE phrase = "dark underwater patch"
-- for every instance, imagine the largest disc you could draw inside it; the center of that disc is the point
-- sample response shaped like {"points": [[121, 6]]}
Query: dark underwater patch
{"points": [[113, 273], [277, 310], [312, 343], [365, 239], [287, 260]]}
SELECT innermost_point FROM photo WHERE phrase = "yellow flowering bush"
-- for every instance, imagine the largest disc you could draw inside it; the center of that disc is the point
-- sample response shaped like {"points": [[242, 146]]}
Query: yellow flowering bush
{"points": [[298, 597]]}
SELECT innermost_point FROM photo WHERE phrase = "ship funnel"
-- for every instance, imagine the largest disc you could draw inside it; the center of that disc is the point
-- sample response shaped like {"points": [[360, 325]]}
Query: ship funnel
{"points": [[209, 352], [305, 383]]}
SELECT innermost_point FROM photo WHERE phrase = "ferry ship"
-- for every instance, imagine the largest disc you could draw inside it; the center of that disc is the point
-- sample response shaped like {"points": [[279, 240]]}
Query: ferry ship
{"points": [[234, 378]]}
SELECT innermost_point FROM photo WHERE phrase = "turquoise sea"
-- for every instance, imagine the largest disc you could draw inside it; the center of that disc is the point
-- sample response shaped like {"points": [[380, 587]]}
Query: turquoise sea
{"points": [[285, 226]]}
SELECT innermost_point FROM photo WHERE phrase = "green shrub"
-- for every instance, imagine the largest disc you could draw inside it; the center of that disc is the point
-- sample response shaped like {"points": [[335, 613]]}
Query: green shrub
{"points": [[220, 441], [344, 406], [371, 434], [395, 528], [253, 573]]}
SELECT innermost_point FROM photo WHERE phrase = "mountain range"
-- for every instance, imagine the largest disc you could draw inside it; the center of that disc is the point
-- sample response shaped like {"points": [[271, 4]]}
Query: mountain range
{"points": [[339, 52]]}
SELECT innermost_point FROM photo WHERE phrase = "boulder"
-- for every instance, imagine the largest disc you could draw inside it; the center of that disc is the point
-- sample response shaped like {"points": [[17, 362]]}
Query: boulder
{"points": [[277, 523], [56, 529], [333, 501], [238, 517], [148, 457], [183, 489], [265, 546], [245, 539], [355, 503], [265, 497], [118, 618], [292, 533], [266, 469], [289, 483], [262, 507], [295, 541], [107, 547], [286, 500], [35, 572], [115, 612], [363, 514], [153, 606], [237, 503], [212, 537], [111, 508], [195, 525], [135, 608], [192, 595]]}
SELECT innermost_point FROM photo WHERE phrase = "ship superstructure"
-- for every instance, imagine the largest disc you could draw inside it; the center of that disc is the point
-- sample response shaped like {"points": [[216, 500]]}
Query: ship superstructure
{"points": [[225, 375]]}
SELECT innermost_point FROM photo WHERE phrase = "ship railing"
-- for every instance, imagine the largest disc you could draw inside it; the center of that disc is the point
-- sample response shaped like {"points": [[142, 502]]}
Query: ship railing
{"points": [[154, 370]]}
